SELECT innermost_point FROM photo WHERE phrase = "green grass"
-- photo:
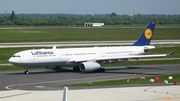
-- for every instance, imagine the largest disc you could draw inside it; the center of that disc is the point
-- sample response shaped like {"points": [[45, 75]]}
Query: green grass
{"points": [[176, 77], [6, 68], [11, 68], [54, 34]]}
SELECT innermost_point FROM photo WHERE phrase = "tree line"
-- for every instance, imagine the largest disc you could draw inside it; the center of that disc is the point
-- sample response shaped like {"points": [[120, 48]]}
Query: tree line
{"points": [[78, 19]]}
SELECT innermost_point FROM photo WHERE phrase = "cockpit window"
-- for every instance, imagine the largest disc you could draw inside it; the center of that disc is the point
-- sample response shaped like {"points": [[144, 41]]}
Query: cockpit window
{"points": [[16, 56]]}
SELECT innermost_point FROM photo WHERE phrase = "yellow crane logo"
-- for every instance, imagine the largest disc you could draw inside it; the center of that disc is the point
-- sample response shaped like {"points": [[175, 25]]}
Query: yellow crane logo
{"points": [[148, 33]]}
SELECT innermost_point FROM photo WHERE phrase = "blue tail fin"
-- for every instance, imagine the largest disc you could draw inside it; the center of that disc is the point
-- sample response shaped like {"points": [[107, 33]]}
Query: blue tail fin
{"points": [[146, 35]]}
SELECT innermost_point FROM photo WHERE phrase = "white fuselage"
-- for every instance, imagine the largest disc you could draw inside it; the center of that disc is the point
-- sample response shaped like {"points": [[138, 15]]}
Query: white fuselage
{"points": [[71, 56]]}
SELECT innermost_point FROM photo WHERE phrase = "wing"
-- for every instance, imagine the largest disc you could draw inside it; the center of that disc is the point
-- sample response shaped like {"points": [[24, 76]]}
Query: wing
{"points": [[131, 57], [82, 59]]}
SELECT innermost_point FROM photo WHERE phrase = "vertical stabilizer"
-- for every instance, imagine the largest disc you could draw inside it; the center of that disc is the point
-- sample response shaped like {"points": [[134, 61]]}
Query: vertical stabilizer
{"points": [[146, 35]]}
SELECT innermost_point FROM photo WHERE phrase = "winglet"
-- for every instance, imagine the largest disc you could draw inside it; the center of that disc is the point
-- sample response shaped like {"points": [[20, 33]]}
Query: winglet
{"points": [[146, 35], [171, 53]]}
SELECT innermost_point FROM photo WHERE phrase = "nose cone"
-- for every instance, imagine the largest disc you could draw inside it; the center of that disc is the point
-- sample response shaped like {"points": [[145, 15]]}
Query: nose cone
{"points": [[14, 61], [11, 60]]}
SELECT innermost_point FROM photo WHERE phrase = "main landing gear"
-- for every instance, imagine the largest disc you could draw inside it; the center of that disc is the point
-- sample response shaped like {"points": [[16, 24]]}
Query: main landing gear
{"points": [[76, 69], [26, 70]]}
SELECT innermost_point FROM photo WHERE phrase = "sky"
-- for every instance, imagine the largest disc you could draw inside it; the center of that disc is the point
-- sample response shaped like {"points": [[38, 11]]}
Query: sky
{"points": [[120, 7]]}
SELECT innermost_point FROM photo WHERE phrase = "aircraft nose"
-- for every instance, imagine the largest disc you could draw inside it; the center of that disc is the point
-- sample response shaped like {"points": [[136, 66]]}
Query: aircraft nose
{"points": [[10, 60]]}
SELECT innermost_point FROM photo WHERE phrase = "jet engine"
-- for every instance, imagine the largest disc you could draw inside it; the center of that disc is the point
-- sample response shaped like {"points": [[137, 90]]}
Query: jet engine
{"points": [[89, 66]]}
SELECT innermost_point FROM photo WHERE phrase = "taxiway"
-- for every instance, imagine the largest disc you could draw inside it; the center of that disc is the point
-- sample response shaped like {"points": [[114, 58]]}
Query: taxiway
{"points": [[45, 85], [49, 80]]}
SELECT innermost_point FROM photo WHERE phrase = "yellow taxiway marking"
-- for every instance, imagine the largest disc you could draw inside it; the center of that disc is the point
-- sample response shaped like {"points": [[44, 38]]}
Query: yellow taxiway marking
{"points": [[169, 98]]}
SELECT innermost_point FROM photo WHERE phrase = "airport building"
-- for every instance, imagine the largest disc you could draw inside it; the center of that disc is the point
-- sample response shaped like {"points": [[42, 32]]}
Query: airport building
{"points": [[93, 24]]}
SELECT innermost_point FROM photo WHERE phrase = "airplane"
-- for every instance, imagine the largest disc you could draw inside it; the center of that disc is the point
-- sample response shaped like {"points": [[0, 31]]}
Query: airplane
{"points": [[87, 59]]}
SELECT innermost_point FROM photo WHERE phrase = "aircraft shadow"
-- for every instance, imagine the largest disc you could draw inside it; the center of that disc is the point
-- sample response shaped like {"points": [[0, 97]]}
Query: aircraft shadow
{"points": [[129, 68], [133, 67]]}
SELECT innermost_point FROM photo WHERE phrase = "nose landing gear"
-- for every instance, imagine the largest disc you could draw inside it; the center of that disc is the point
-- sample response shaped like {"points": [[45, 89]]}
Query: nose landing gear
{"points": [[26, 70]]}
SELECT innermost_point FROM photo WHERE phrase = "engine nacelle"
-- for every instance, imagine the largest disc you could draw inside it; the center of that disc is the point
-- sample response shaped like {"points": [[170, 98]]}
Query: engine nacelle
{"points": [[89, 66], [147, 48]]}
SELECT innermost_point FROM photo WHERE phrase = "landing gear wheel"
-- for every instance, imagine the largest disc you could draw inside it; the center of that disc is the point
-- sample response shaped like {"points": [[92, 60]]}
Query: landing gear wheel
{"points": [[76, 69], [102, 70], [26, 72], [57, 69]]}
